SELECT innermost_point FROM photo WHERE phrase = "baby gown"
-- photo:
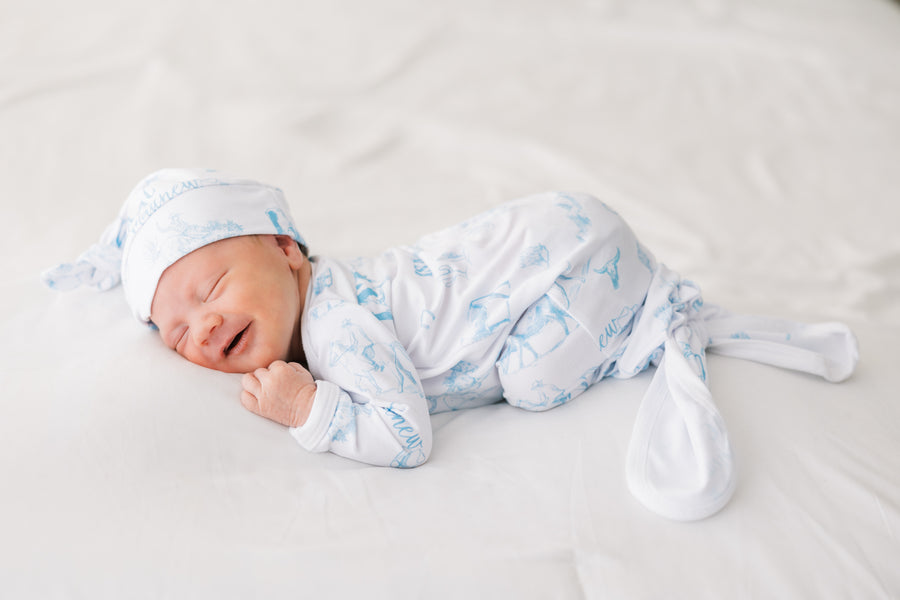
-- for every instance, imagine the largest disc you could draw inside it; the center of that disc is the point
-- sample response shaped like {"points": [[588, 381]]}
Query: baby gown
{"points": [[533, 302]]}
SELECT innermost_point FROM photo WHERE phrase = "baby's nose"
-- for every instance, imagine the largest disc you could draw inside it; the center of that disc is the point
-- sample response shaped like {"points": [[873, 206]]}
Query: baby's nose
{"points": [[206, 326]]}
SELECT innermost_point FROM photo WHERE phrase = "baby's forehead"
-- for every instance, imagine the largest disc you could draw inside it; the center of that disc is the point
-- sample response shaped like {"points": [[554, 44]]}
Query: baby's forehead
{"points": [[192, 268], [197, 265]]}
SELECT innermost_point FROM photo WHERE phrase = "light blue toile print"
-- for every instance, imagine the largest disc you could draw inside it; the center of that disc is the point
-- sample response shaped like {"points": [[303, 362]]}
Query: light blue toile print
{"points": [[653, 358], [463, 377], [618, 325], [354, 352], [611, 268], [542, 329], [323, 281], [463, 387], [644, 257], [375, 368], [549, 395], [191, 236], [697, 360], [664, 313], [420, 268], [569, 285], [488, 313], [576, 214], [154, 198], [697, 303], [372, 296], [534, 256], [413, 452], [320, 310], [403, 371], [278, 218], [453, 265], [343, 424], [426, 319]]}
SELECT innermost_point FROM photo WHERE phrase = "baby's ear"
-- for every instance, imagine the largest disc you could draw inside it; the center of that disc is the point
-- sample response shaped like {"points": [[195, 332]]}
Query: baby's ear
{"points": [[291, 249]]}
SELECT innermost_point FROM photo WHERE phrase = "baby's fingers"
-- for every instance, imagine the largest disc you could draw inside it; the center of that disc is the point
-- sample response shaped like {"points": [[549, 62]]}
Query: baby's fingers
{"points": [[252, 392], [305, 375], [250, 402], [251, 383]]}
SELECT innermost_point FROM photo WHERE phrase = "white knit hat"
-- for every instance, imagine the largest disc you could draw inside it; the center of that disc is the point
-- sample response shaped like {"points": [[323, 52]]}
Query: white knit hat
{"points": [[169, 214]]}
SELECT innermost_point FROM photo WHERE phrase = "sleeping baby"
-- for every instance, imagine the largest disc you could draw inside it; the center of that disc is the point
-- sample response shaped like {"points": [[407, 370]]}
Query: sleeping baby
{"points": [[532, 303]]}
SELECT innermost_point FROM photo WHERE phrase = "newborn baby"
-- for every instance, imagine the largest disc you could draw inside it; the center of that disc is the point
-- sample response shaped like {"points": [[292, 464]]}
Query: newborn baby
{"points": [[532, 302]]}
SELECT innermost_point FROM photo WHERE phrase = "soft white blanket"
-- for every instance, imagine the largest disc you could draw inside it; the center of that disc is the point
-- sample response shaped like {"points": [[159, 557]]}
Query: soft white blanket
{"points": [[753, 146]]}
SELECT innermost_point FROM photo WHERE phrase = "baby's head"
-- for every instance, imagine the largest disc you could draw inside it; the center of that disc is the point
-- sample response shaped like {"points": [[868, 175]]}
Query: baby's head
{"points": [[234, 305], [214, 262]]}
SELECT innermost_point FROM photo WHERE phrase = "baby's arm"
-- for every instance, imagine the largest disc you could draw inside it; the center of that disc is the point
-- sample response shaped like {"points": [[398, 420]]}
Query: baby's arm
{"points": [[369, 403], [283, 393]]}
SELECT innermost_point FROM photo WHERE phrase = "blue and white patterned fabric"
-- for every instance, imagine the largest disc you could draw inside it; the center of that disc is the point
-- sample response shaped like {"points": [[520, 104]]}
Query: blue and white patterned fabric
{"points": [[534, 302], [169, 214]]}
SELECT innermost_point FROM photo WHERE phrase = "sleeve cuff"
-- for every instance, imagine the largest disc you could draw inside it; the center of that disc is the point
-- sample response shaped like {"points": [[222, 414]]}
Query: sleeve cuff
{"points": [[310, 434]]}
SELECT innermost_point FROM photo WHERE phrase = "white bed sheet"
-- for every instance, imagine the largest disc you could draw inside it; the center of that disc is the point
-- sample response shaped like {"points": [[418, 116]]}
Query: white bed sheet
{"points": [[752, 145]]}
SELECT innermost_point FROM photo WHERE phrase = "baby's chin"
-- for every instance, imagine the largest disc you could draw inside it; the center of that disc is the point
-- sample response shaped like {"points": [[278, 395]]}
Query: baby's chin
{"points": [[248, 365]]}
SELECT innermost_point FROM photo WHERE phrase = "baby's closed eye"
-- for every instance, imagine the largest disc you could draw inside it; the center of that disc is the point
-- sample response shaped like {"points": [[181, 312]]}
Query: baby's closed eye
{"points": [[176, 337], [213, 289]]}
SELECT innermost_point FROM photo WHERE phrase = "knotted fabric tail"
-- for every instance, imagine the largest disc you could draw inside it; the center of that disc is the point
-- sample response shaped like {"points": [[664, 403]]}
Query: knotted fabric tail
{"points": [[828, 350], [680, 462], [99, 267]]}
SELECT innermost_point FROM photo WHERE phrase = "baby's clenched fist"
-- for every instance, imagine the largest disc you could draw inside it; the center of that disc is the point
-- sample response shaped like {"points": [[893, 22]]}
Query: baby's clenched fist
{"points": [[283, 393]]}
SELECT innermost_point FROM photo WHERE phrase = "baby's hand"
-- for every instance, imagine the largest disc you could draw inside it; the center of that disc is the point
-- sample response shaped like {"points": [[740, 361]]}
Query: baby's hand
{"points": [[283, 393]]}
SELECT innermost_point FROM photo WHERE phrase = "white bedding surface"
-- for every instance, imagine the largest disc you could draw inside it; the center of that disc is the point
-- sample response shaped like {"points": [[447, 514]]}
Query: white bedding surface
{"points": [[753, 146]]}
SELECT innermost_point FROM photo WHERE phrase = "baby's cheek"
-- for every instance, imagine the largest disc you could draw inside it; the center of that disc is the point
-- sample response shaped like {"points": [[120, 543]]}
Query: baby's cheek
{"points": [[259, 360]]}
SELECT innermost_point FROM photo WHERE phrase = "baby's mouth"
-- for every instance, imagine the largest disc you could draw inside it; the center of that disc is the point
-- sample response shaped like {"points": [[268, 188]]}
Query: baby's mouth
{"points": [[236, 342]]}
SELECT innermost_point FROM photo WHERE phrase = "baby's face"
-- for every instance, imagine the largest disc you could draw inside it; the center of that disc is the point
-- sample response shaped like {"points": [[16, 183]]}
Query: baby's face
{"points": [[234, 305]]}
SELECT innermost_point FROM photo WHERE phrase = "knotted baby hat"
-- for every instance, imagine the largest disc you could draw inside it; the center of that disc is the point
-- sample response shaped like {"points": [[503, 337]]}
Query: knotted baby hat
{"points": [[169, 214]]}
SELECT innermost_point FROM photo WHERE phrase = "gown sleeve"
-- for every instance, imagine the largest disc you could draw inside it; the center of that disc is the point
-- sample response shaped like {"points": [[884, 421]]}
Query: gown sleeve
{"points": [[369, 403]]}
